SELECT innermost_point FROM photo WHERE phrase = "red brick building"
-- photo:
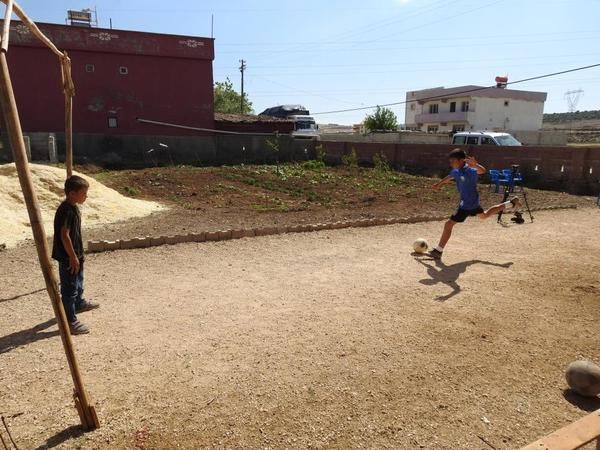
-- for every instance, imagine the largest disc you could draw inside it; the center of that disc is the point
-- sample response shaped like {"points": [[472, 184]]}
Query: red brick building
{"points": [[118, 75]]}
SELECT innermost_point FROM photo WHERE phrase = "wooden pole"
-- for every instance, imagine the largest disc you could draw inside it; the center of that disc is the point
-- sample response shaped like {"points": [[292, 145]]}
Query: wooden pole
{"points": [[87, 414], [69, 91], [6, 25]]}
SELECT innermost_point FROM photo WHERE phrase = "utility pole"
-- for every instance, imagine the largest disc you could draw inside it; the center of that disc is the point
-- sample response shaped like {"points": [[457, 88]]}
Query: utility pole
{"points": [[242, 70]]}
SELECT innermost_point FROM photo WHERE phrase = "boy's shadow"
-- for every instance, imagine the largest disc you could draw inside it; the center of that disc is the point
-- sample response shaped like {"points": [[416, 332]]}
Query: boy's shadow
{"points": [[449, 275]]}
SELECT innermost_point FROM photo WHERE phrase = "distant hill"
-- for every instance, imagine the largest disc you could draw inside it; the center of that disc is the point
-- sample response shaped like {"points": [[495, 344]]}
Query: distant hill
{"points": [[571, 117]]}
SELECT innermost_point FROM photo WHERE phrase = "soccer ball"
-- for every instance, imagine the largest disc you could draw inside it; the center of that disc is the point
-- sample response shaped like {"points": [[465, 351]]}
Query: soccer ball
{"points": [[420, 246], [584, 378]]}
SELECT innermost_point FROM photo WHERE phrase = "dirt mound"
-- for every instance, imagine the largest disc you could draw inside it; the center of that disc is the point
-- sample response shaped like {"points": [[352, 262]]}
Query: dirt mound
{"points": [[103, 206]]}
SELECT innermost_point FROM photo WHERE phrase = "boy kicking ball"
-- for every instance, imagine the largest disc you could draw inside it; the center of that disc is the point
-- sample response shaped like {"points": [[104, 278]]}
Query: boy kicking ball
{"points": [[465, 172]]}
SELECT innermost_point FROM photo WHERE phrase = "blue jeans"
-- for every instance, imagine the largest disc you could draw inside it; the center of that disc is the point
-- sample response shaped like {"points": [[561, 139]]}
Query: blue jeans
{"points": [[71, 289]]}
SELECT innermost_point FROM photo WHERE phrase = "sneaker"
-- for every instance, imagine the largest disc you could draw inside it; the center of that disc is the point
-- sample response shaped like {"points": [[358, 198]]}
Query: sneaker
{"points": [[516, 203], [78, 328], [86, 305], [435, 254]]}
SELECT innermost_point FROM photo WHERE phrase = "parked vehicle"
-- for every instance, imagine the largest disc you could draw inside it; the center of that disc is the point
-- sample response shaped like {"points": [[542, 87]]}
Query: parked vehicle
{"points": [[484, 138], [304, 125]]}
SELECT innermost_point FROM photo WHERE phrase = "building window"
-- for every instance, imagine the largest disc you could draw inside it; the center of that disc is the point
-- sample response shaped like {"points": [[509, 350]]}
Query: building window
{"points": [[506, 102], [113, 122], [433, 109], [432, 129], [458, 128], [123, 70], [452, 106], [464, 107], [89, 68]]}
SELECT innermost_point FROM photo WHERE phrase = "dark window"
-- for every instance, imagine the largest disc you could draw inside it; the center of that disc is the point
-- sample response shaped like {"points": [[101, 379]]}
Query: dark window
{"points": [[506, 102], [89, 68], [113, 122], [432, 129], [459, 140], [464, 107], [457, 128], [487, 141], [473, 140], [433, 109], [452, 106], [123, 70]]}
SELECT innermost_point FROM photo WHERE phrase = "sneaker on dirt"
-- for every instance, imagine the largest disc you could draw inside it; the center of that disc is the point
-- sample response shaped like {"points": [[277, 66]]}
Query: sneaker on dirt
{"points": [[435, 254], [86, 305], [78, 328]]}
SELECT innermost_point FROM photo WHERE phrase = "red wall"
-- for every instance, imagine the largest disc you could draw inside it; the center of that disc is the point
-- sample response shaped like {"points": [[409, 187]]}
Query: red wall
{"points": [[167, 81]]}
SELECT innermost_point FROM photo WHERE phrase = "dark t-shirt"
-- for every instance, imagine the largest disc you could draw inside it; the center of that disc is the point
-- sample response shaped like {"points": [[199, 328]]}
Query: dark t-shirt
{"points": [[69, 216]]}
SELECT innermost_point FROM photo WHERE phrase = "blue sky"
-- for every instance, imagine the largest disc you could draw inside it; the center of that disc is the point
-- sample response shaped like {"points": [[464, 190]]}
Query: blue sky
{"points": [[337, 54]]}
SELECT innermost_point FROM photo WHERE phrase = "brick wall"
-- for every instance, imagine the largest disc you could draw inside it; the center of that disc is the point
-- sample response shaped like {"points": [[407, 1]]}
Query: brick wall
{"points": [[564, 168]]}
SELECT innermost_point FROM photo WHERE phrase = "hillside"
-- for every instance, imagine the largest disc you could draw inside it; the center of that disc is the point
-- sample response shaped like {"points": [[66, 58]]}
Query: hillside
{"points": [[572, 117]]}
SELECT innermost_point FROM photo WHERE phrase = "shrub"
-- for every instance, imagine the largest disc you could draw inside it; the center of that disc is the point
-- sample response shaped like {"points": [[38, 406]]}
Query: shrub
{"points": [[350, 160]]}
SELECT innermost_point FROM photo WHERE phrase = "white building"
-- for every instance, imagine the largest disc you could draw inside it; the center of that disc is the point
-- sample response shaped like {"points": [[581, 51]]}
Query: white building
{"points": [[468, 108]]}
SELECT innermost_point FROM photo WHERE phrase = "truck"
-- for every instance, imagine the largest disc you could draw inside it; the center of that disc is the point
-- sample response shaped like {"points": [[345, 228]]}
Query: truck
{"points": [[305, 126]]}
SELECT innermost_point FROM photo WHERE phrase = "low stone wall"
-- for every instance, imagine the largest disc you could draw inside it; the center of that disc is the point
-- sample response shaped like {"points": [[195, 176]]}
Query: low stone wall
{"points": [[226, 235]]}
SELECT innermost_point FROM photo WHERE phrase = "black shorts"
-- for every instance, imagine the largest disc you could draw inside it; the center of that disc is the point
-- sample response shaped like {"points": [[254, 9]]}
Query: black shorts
{"points": [[461, 214]]}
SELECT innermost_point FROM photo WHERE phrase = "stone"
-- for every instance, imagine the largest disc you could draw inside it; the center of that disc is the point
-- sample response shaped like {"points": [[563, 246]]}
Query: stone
{"points": [[266, 231], [171, 240], [158, 241], [238, 234], [213, 236], [95, 246], [127, 244], [249, 233], [110, 246], [224, 235], [584, 378], [198, 237], [144, 242]]}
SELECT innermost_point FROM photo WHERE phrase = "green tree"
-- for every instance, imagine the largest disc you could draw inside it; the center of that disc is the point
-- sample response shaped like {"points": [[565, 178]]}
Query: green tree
{"points": [[381, 119], [228, 101]]}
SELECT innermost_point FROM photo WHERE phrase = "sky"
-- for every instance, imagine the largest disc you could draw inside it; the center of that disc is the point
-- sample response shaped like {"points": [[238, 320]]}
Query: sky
{"points": [[330, 55]]}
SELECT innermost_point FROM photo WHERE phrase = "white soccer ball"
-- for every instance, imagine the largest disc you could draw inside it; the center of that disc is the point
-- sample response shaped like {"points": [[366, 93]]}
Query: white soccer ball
{"points": [[420, 246]]}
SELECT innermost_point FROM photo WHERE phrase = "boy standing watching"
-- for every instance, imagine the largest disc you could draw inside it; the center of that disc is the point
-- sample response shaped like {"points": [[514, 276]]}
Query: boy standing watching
{"points": [[465, 172], [67, 249]]}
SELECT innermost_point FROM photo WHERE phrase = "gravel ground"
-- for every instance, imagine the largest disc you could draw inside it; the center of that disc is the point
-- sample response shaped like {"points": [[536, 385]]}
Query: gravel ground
{"points": [[336, 339]]}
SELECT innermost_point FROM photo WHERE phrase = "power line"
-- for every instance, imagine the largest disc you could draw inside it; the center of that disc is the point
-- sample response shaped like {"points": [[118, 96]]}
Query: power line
{"points": [[466, 91]]}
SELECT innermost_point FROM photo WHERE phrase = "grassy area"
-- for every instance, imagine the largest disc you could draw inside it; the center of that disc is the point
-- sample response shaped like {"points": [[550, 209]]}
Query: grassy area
{"points": [[308, 186]]}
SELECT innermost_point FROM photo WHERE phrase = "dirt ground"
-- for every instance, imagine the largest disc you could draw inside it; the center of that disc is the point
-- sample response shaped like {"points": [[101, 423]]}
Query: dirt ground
{"points": [[336, 339]]}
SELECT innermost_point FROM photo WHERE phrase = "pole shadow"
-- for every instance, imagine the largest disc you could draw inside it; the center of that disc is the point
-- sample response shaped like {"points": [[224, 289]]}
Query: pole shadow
{"points": [[16, 297], [72, 432], [449, 275], [24, 337]]}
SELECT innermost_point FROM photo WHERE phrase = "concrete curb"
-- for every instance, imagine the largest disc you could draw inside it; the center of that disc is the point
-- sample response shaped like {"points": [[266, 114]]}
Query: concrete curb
{"points": [[226, 235]]}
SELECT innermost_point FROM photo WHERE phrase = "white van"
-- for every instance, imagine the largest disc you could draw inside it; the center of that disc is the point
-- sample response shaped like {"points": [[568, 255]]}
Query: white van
{"points": [[484, 138]]}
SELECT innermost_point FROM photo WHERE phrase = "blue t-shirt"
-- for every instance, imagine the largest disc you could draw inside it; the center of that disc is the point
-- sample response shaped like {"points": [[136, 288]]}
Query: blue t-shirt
{"points": [[466, 182]]}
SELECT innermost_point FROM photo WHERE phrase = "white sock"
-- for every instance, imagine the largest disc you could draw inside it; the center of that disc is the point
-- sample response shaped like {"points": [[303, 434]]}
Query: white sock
{"points": [[439, 249]]}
